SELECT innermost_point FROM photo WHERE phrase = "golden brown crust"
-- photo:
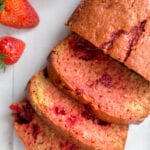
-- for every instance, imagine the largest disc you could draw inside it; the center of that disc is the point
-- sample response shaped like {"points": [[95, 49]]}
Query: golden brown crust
{"points": [[60, 81], [115, 27]]}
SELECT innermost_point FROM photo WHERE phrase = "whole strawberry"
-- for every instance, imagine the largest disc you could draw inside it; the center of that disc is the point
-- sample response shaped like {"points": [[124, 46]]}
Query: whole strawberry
{"points": [[10, 50], [18, 14]]}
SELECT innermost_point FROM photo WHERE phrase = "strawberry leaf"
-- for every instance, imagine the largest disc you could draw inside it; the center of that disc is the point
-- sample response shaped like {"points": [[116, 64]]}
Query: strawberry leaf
{"points": [[2, 5], [2, 64]]}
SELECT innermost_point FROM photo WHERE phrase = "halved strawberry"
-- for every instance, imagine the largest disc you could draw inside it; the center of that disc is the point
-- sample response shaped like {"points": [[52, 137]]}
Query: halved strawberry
{"points": [[10, 50], [18, 14]]}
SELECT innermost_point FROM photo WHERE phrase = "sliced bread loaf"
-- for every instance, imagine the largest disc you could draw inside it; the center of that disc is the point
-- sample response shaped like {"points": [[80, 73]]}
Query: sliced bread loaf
{"points": [[113, 92], [119, 28], [34, 133], [72, 119]]}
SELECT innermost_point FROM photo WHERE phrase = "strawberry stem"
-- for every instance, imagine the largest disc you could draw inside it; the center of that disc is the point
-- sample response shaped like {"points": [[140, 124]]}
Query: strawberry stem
{"points": [[2, 5]]}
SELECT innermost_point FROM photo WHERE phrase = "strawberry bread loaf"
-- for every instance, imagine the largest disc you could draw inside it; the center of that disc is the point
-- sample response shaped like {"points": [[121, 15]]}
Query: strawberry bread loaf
{"points": [[121, 28], [34, 133], [113, 92], [72, 119]]}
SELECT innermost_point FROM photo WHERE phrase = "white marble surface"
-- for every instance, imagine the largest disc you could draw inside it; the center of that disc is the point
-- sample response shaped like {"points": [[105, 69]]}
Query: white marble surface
{"points": [[39, 41]]}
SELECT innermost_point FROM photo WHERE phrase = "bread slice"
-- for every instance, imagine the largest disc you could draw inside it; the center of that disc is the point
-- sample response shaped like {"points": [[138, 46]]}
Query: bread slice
{"points": [[72, 119], [119, 28], [113, 92], [34, 133]]}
